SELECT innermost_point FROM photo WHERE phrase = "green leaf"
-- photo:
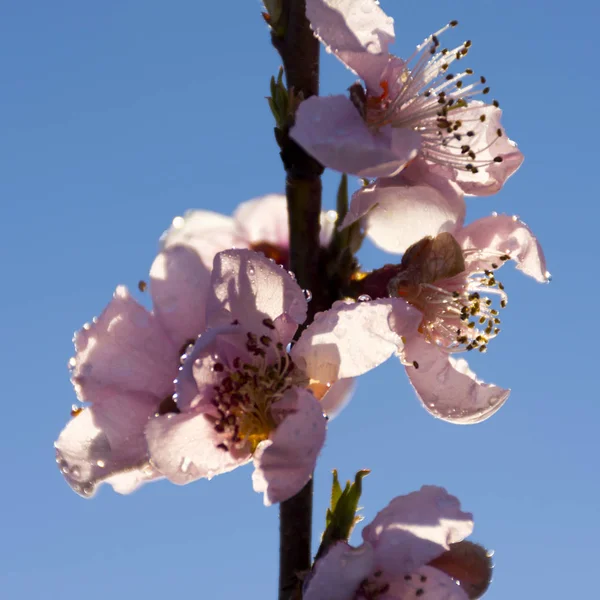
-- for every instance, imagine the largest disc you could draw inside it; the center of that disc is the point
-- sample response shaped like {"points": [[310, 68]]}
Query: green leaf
{"points": [[341, 516], [342, 199]]}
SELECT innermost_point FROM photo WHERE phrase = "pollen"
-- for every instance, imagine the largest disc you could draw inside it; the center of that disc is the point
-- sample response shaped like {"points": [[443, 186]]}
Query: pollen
{"points": [[248, 390], [431, 97]]}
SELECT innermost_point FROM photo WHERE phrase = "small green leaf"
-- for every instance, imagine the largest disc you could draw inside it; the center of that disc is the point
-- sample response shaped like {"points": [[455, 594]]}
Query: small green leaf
{"points": [[341, 516], [342, 199]]}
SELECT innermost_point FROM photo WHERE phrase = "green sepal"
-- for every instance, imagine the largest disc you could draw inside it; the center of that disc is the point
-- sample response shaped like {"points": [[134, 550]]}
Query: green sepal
{"points": [[341, 515]]}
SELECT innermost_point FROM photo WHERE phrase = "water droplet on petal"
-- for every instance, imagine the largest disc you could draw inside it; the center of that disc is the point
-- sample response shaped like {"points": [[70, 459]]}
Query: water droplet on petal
{"points": [[308, 295], [75, 472], [178, 222], [87, 489], [332, 216], [548, 276], [494, 214], [364, 298], [72, 363], [101, 463], [292, 275], [185, 464], [251, 270]]}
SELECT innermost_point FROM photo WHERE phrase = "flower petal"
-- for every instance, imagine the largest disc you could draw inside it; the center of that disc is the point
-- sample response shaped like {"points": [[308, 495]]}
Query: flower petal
{"points": [[197, 377], [357, 31], [503, 234], [249, 288], [285, 462], [106, 443], [428, 583], [264, 219], [487, 145], [337, 575], [447, 387], [125, 348], [414, 529], [351, 339], [204, 231], [337, 397], [331, 129], [183, 447], [398, 212], [179, 283]]}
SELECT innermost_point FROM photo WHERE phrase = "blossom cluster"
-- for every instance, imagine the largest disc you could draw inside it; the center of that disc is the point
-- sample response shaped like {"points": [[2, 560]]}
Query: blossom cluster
{"points": [[224, 370]]}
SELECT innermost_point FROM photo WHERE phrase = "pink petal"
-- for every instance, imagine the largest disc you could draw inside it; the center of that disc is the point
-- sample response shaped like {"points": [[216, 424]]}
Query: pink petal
{"points": [[264, 219], [506, 235], [179, 283], [351, 339], [487, 145], [338, 574], [427, 583], [183, 447], [447, 387], [357, 31], [204, 231], [285, 462], [126, 349], [197, 377], [106, 444], [397, 212], [414, 529], [337, 397], [331, 129], [249, 288]]}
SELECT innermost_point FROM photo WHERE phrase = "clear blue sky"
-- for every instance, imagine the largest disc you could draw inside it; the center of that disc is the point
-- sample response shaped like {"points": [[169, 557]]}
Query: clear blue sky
{"points": [[116, 116]]}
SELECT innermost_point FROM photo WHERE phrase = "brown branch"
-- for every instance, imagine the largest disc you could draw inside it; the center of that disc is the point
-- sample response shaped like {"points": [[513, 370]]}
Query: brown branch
{"points": [[299, 51]]}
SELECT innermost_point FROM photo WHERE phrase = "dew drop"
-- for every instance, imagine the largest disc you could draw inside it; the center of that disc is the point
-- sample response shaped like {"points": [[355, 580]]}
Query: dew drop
{"points": [[75, 472], [101, 463], [548, 276], [185, 464], [178, 222], [87, 489], [332, 216], [251, 270], [364, 298], [292, 275], [307, 295], [494, 214], [72, 363]]}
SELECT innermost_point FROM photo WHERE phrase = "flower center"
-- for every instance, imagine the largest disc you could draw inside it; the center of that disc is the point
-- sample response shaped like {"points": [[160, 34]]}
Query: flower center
{"points": [[458, 312], [373, 587], [426, 97], [277, 253], [249, 391]]}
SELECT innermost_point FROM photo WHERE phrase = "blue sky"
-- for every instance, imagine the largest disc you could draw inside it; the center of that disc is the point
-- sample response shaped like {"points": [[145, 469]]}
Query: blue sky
{"points": [[118, 115]]}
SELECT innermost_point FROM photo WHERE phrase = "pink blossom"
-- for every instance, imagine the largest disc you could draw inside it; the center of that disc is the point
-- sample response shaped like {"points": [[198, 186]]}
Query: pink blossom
{"points": [[393, 562], [408, 109], [396, 212], [243, 397], [451, 280], [127, 359]]}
